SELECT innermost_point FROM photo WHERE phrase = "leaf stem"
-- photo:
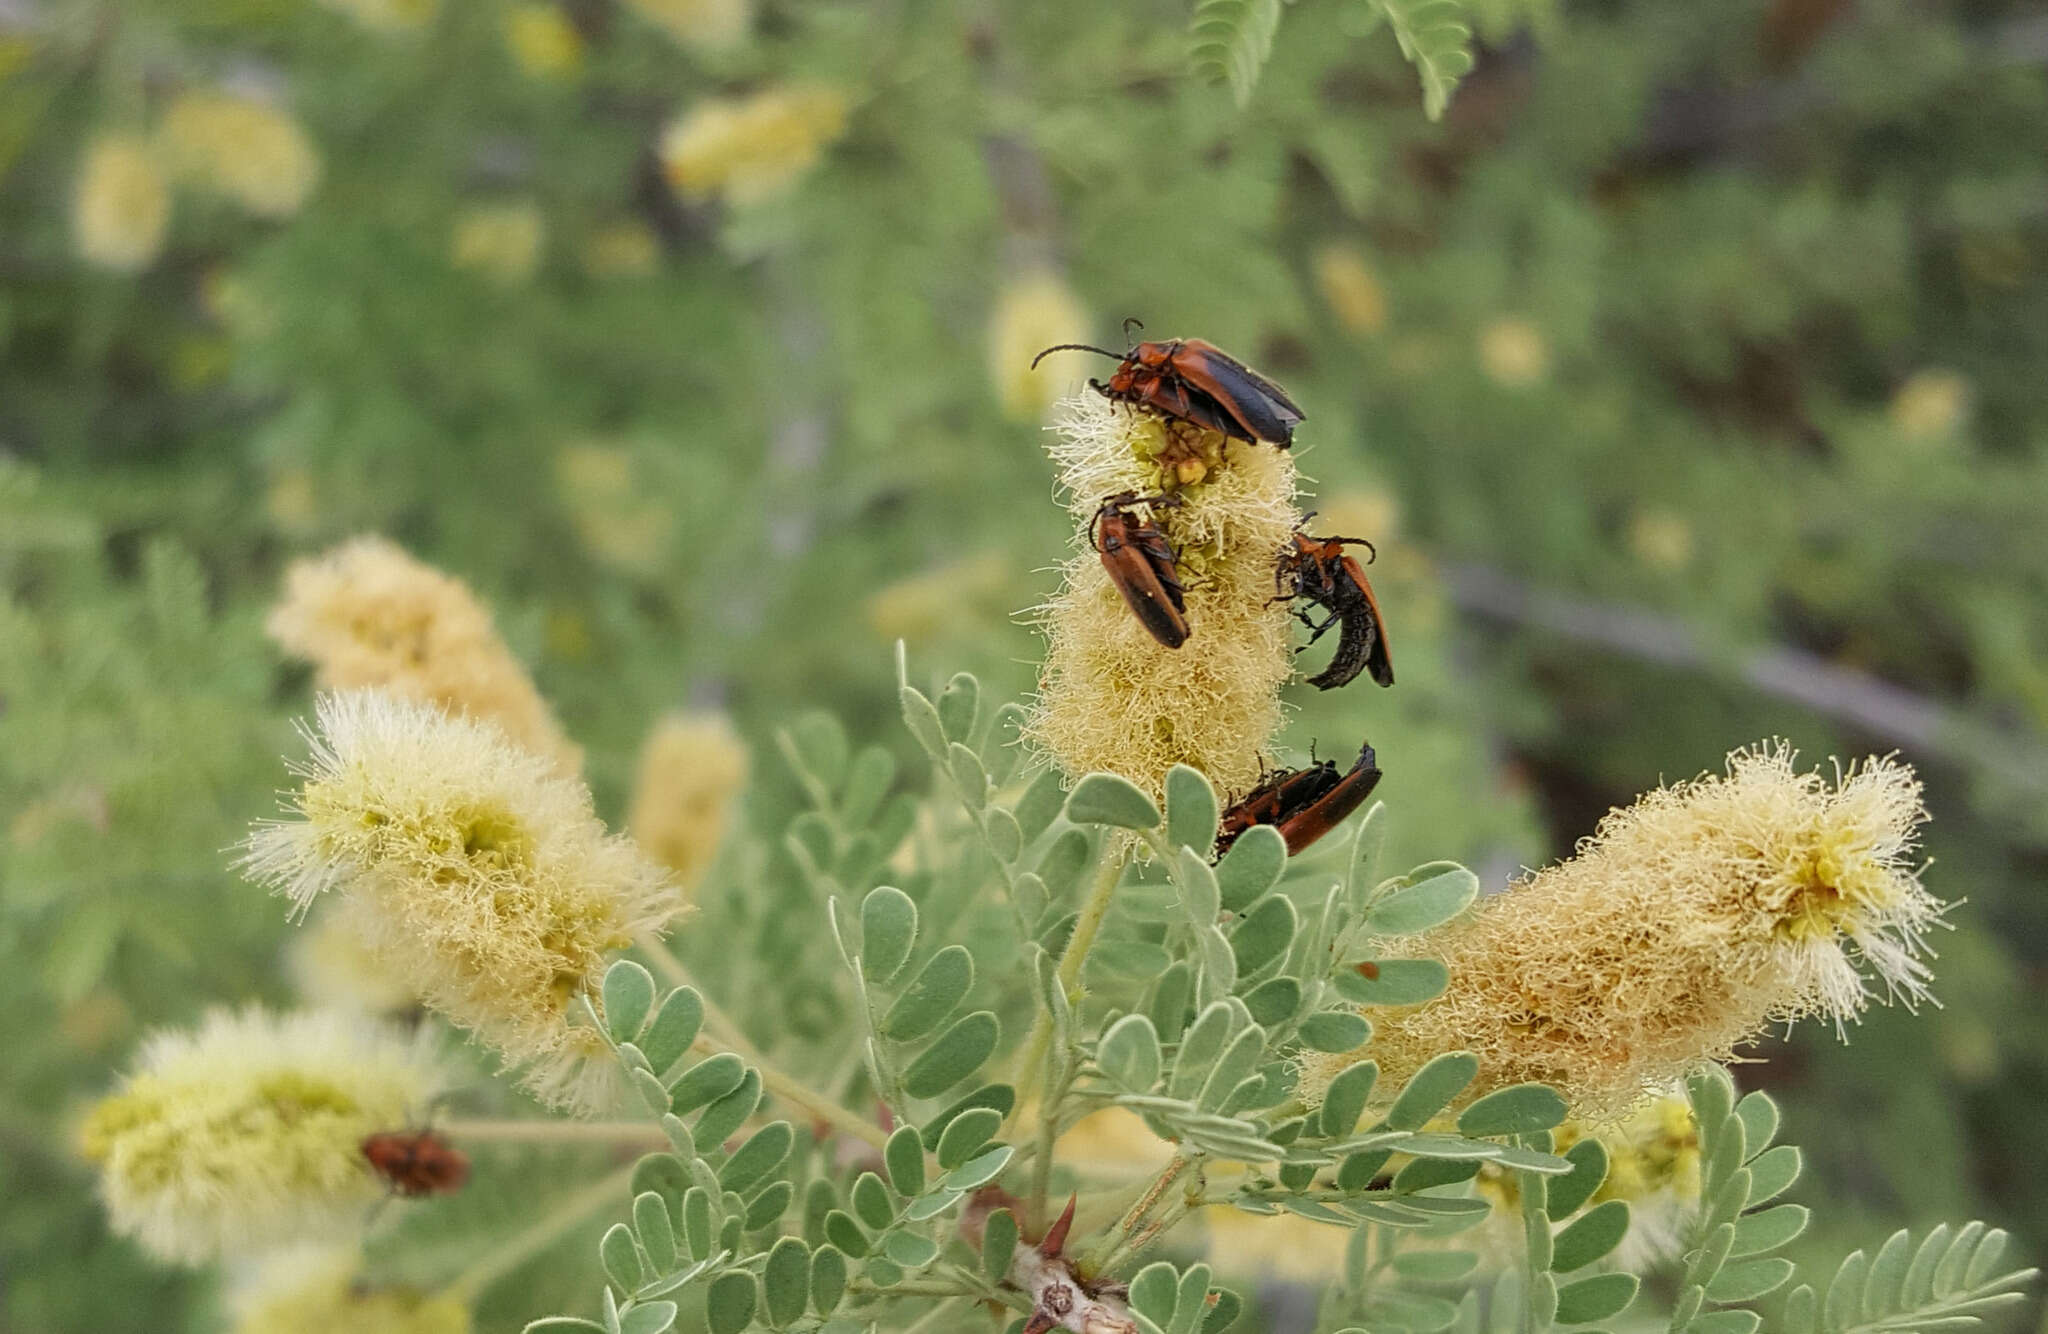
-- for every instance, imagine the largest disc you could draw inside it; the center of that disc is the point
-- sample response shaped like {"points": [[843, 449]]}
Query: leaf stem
{"points": [[517, 1130], [501, 1260], [1031, 1057]]}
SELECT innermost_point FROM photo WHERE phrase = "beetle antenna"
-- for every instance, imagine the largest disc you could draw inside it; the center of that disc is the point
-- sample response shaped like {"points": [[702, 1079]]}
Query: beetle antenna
{"points": [[1073, 347], [1129, 323], [1356, 542]]}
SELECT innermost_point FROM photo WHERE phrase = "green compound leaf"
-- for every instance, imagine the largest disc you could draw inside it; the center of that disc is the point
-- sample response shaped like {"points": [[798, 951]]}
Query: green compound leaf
{"points": [[960, 705], [1230, 40], [1747, 1280], [1111, 799], [1251, 867], [1420, 906], [1264, 933], [1518, 1110], [1201, 897], [888, 929], [843, 1232], [1191, 809], [957, 1054], [922, 720], [1274, 1001], [628, 996], [978, 1171], [656, 1232], [1040, 804], [968, 1133], [1595, 1298], [716, 1123], [729, 1302], [904, 1157], [675, 1027], [1129, 1053], [910, 1250], [828, 1278], [621, 1258], [1155, 1291], [1768, 1229], [769, 1205], [786, 1281], [761, 1154], [1336, 1031], [1589, 1237], [1726, 1322], [998, 1245], [1436, 1266], [1393, 981], [1345, 1100], [871, 1201], [707, 1081], [1589, 1168], [648, 1318], [941, 985], [1772, 1172], [1437, 42], [1431, 1089]]}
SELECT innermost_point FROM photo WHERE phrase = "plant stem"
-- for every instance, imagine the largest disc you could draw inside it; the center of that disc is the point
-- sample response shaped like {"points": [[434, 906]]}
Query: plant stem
{"points": [[1031, 1057], [793, 1090], [561, 1216], [509, 1130]]}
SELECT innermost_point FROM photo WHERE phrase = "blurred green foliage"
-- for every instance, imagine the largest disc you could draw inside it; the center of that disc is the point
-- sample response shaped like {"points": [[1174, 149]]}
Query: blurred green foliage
{"points": [[1727, 317]]}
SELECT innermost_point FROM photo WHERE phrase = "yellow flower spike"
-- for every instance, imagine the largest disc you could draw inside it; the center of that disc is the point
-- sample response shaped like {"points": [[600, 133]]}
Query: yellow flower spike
{"points": [[1111, 697], [754, 148], [319, 1291], [500, 241], [1033, 311], [692, 770], [1351, 290], [121, 205], [246, 1133], [702, 25], [1514, 353], [1685, 926], [476, 872], [333, 966], [367, 614], [543, 42], [950, 599], [241, 148], [1266, 1246], [1931, 406]]}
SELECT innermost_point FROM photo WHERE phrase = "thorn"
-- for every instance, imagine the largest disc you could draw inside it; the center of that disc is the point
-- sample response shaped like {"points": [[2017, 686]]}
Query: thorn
{"points": [[1056, 1235]]}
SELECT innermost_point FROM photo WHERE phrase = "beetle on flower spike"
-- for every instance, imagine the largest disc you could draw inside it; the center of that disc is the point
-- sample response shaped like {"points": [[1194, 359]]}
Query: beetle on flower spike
{"points": [[1140, 562], [1191, 380]]}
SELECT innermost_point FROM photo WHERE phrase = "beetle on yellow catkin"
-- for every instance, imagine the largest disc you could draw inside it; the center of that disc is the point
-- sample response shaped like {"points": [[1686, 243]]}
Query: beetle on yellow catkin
{"points": [[1111, 697], [1688, 923]]}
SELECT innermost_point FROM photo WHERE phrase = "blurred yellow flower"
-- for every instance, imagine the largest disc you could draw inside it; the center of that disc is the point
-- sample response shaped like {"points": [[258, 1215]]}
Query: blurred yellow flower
{"points": [[621, 521], [1351, 290], [1373, 514], [388, 15], [704, 25], [500, 241], [244, 149], [543, 42], [246, 1134], [1683, 927], [1274, 1245], [1931, 405], [481, 876], [292, 502], [1661, 538], [932, 603], [1112, 1142], [366, 613], [753, 148], [622, 250], [121, 205], [1514, 353], [692, 770], [309, 1290], [1033, 311], [334, 967]]}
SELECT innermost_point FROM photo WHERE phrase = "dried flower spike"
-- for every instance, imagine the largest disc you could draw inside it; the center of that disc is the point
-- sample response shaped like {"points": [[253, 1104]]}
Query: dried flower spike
{"points": [[246, 1134], [368, 614], [1111, 698], [1688, 923], [478, 874]]}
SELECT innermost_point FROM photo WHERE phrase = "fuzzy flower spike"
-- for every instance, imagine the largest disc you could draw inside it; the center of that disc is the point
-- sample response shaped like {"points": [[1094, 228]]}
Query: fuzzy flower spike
{"points": [[247, 1133], [477, 873], [1112, 697], [1687, 924]]}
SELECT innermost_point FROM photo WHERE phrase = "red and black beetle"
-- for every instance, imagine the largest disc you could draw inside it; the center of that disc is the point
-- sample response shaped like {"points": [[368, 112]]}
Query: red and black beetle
{"points": [[416, 1162], [1318, 570], [1188, 379], [1303, 804], [1141, 564]]}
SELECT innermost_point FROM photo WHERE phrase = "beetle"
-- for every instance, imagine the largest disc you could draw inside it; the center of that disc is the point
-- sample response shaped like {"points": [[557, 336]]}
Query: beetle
{"points": [[1303, 804], [1140, 563], [1319, 570], [416, 1162], [1192, 380]]}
